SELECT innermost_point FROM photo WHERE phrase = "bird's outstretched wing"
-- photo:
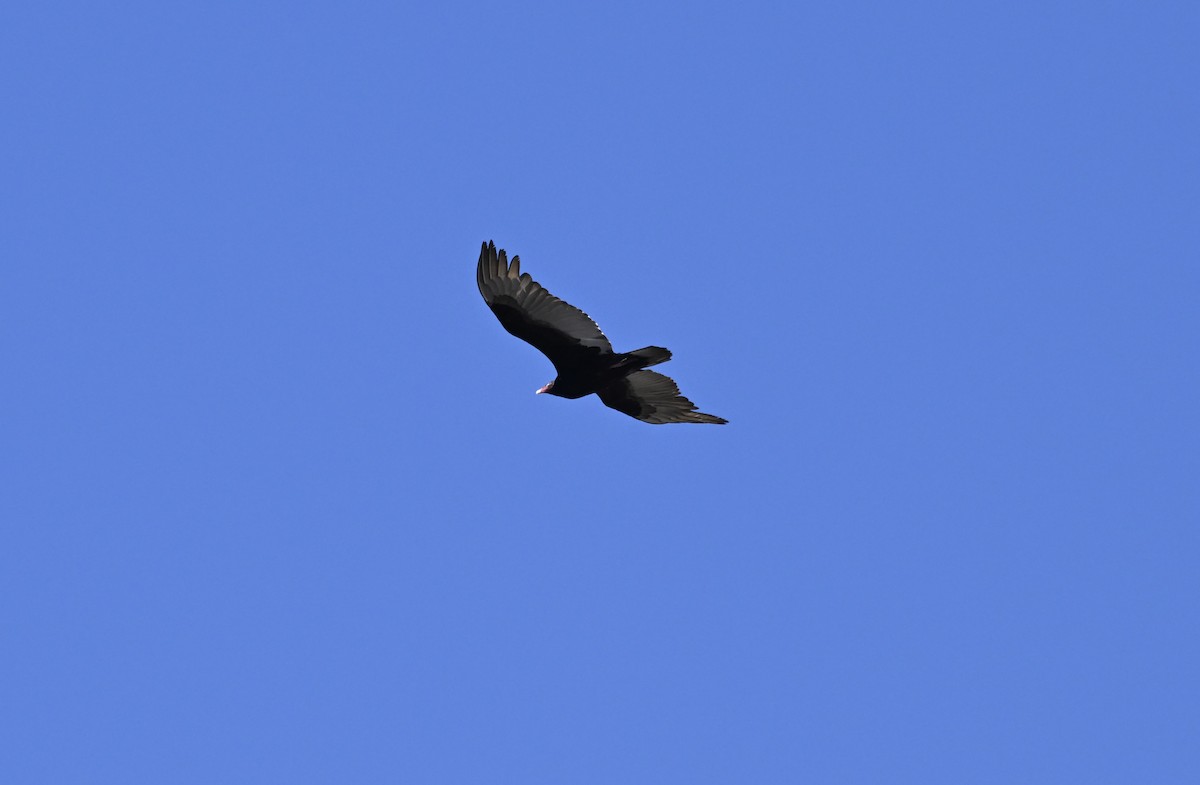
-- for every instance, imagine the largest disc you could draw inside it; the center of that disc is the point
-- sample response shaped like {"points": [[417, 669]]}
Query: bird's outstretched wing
{"points": [[560, 331], [653, 398]]}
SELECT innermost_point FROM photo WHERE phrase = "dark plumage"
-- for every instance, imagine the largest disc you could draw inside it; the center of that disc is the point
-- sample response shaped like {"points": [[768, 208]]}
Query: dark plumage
{"points": [[582, 356]]}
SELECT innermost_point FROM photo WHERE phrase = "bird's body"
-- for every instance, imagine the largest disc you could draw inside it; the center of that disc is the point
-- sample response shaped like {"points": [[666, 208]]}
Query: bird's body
{"points": [[581, 354], [602, 371]]}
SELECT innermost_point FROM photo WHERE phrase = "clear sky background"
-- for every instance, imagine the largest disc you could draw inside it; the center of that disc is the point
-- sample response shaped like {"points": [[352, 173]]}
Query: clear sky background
{"points": [[279, 504]]}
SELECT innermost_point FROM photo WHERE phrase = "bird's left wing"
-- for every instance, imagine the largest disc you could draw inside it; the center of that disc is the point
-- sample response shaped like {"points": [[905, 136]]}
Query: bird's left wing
{"points": [[559, 330], [653, 398]]}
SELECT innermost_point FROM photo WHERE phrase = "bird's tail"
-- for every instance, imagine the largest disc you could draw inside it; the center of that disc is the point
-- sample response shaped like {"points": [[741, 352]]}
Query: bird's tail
{"points": [[651, 355]]}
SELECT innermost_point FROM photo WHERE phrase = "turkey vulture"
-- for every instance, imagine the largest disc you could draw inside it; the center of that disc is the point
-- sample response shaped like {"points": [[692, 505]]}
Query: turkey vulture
{"points": [[582, 356]]}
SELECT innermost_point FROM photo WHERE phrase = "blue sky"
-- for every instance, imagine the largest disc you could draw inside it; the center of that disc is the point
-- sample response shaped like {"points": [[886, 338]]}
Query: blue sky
{"points": [[280, 504]]}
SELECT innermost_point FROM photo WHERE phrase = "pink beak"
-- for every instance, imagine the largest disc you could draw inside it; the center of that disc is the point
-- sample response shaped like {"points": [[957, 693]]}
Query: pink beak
{"points": [[544, 389]]}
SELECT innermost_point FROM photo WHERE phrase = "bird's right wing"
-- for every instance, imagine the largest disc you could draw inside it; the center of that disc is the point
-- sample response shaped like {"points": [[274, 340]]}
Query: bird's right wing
{"points": [[558, 330], [653, 398]]}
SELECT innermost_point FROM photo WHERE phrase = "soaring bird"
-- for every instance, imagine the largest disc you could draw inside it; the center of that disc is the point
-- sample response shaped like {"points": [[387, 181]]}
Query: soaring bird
{"points": [[582, 356]]}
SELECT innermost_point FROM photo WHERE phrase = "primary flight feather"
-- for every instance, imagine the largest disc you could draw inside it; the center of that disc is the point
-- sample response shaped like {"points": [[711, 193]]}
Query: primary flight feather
{"points": [[582, 356]]}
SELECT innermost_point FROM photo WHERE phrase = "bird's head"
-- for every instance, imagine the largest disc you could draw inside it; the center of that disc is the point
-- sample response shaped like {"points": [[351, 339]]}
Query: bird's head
{"points": [[545, 389]]}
